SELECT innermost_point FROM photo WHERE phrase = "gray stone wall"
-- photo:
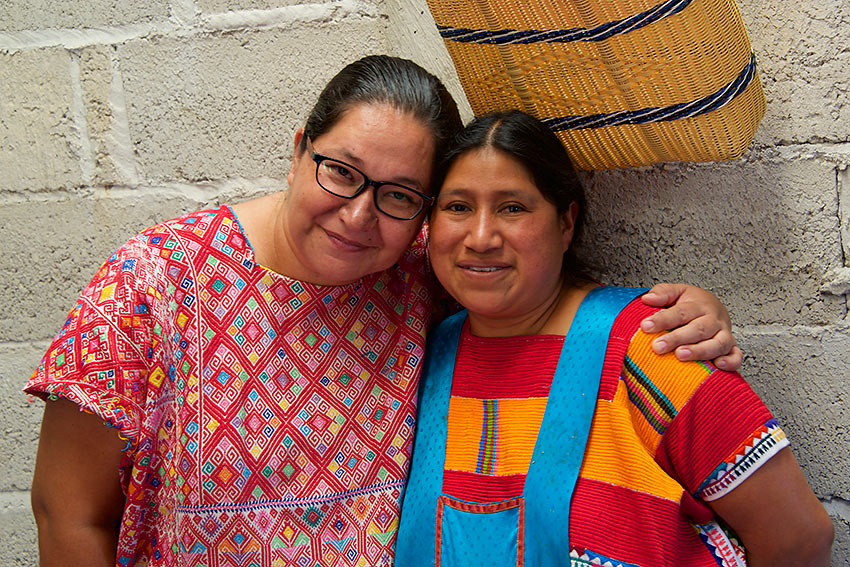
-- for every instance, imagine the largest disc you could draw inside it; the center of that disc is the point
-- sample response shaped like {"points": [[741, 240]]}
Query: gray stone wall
{"points": [[117, 114]]}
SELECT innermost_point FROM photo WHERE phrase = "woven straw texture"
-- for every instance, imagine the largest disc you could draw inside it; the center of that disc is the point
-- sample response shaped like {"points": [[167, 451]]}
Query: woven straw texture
{"points": [[623, 83]]}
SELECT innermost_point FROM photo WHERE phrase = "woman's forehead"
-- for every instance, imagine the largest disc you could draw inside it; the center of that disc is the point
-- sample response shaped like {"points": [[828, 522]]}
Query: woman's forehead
{"points": [[377, 114], [388, 144], [363, 120]]}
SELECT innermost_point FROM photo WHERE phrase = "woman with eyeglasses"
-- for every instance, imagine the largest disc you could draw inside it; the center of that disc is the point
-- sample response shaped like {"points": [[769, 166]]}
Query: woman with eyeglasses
{"points": [[237, 386], [550, 433]]}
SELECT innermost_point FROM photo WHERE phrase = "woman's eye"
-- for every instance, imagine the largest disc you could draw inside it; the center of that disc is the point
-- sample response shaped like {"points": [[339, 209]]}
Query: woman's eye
{"points": [[400, 196], [338, 170], [513, 208], [456, 207]]}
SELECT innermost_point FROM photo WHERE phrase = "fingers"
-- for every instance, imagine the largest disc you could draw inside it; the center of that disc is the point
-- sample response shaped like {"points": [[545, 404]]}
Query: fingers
{"points": [[692, 336], [698, 325], [732, 361], [701, 328], [720, 348], [690, 303], [663, 294], [719, 345]]}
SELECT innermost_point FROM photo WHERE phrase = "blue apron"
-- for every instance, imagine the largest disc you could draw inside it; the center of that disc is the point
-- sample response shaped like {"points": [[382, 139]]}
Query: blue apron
{"points": [[531, 530]]}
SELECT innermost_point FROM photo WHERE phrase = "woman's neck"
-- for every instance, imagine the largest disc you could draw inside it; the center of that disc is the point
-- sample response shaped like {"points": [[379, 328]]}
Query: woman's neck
{"points": [[553, 316], [260, 220]]}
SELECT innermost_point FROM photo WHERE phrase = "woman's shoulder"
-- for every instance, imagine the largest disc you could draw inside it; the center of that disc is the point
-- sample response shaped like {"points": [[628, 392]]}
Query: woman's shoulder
{"points": [[195, 223], [630, 358], [163, 251], [415, 258], [661, 387]]}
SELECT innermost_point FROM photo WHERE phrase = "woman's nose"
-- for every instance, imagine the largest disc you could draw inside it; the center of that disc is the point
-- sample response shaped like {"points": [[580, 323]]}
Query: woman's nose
{"points": [[360, 212], [483, 234]]}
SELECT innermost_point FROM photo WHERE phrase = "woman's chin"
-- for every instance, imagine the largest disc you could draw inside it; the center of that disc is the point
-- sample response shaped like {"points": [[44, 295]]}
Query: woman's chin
{"points": [[491, 310]]}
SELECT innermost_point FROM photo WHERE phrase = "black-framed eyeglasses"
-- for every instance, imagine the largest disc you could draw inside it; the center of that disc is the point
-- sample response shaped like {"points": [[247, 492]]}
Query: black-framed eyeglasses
{"points": [[346, 181]]}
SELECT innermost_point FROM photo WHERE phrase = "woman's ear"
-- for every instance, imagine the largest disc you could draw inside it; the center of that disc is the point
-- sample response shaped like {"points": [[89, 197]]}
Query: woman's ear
{"points": [[568, 224], [296, 155]]}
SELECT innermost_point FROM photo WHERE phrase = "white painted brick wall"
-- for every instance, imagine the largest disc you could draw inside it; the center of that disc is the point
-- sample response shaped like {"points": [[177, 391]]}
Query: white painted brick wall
{"points": [[117, 114]]}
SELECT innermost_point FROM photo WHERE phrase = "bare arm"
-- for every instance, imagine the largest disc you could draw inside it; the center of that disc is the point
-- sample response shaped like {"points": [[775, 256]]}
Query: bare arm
{"points": [[701, 328], [76, 493], [778, 517]]}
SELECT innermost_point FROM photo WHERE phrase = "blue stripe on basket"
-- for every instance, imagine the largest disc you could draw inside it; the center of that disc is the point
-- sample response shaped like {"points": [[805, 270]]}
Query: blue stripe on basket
{"points": [[660, 114], [506, 36]]}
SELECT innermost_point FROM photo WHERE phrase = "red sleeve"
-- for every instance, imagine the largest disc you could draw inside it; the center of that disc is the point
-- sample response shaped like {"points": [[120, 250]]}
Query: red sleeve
{"points": [[103, 357], [721, 435]]}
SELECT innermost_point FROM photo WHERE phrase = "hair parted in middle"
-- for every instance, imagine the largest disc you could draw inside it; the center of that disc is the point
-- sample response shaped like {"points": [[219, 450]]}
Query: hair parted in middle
{"points": [[532, 144]]}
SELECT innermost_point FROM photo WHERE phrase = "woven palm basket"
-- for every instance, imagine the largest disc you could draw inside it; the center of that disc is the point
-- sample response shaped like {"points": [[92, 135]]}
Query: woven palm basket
{"points": [[623, 83]]}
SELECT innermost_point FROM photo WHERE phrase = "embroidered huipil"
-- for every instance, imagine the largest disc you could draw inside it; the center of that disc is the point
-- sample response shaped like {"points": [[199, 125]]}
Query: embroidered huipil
{"points": [[268, 420]]}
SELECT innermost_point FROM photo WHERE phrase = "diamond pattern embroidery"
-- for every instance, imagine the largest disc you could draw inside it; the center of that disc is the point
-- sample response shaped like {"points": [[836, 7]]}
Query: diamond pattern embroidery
{"points": [[269, 419]]}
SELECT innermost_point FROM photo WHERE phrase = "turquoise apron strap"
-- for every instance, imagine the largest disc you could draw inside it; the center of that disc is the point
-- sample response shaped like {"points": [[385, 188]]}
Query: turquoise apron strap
{"points": [[558, 451], [417, 535], [560, 445]]}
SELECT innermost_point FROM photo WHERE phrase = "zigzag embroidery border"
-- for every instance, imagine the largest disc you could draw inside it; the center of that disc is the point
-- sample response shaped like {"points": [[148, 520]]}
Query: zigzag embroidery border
{"points": [[292, 502], [727, 553], [764, 444], [587, 558]]}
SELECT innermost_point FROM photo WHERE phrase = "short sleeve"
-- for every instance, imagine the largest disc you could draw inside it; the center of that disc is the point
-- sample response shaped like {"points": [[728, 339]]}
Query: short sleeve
{"points": [[707, 428], [103, 358], [721, 436]]}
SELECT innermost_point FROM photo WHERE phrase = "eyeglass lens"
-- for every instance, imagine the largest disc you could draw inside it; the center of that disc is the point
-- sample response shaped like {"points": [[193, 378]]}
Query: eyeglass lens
{"points": [[395, 200]]}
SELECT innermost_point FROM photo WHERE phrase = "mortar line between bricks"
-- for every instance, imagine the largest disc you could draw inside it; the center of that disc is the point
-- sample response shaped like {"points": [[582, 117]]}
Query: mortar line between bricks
{"points": [[76, 38], [119, 140], [842, 213], [837, 507], [80, 122], [36, 344], [14, 501], [779, 329], [184, 11], [201, 191], [285, 16]]}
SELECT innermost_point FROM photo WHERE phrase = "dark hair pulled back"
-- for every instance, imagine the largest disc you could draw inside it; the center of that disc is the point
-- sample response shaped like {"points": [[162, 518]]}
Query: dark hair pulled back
{"points": [[538, 149], [382, 79]]}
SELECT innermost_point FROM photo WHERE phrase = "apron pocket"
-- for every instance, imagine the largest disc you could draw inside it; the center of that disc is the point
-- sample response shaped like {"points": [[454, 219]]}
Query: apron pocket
{"points": [[480, 535]]}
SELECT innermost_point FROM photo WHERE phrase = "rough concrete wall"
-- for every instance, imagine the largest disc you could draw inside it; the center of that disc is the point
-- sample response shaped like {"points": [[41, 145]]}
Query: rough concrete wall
{"points": [[115, 115], [118, 114]]}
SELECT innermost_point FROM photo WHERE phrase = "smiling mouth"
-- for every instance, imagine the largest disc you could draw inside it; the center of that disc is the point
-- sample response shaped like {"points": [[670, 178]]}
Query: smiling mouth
{"points": [[346, 243], [483, 269]]}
